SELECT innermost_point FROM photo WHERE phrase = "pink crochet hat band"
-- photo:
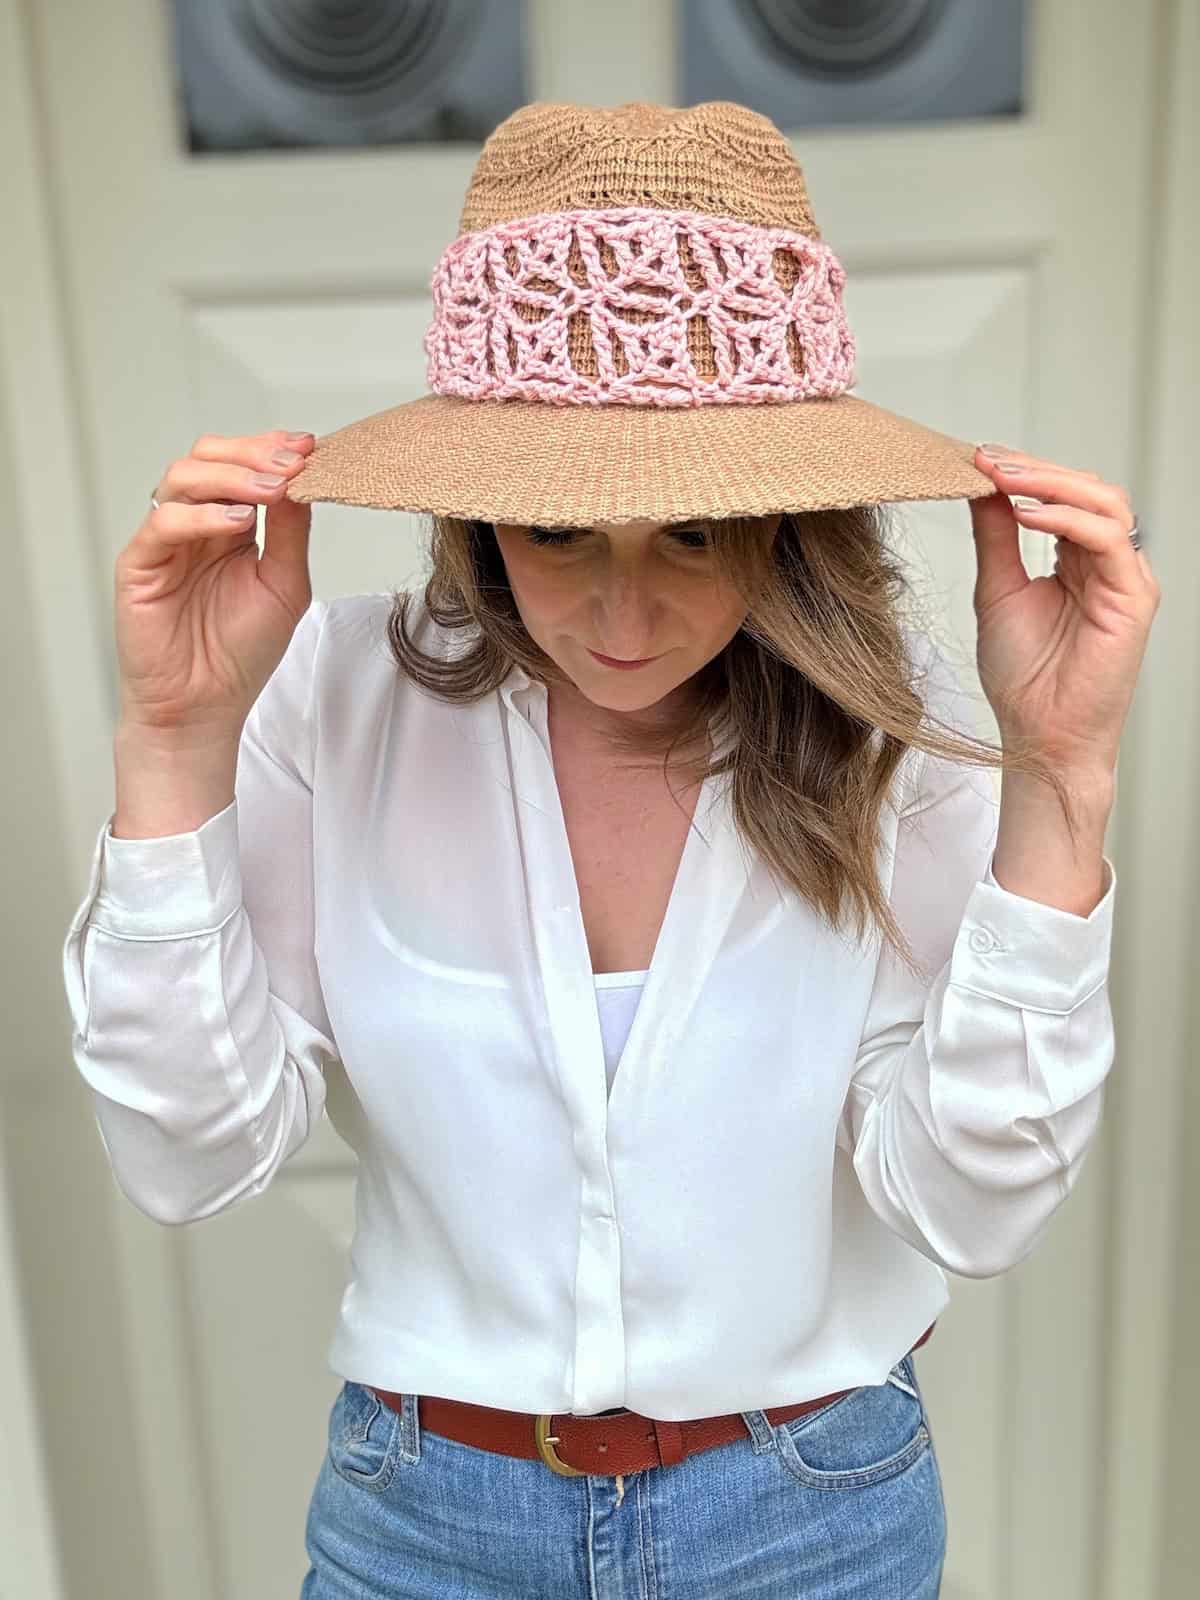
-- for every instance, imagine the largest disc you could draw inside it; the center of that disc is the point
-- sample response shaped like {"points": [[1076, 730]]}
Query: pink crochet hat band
{"points": [[638, 306]]}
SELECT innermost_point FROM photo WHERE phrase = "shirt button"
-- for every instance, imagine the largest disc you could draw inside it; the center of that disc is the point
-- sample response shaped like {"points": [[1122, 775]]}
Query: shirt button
{"points": [[981, 940]]}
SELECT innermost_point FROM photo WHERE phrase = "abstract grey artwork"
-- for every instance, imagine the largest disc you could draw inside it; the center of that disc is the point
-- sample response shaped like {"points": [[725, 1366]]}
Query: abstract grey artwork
{"points": [[813, 63], [270, 74]]}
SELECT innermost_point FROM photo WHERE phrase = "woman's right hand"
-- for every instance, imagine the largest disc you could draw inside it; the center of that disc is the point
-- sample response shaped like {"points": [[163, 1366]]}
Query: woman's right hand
{"points": [[202, 620]]}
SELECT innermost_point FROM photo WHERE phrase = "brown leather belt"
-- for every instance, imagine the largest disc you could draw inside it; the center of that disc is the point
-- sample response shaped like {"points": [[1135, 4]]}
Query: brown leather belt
{"points": [[605, 1443]]}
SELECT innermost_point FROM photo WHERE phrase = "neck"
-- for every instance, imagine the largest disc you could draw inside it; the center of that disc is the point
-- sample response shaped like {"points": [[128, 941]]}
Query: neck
{"points": [[574, 712]]}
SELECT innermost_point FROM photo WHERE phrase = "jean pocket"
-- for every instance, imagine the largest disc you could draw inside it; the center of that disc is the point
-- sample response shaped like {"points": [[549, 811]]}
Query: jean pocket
{"points": [[872, 1433], [364, 1438]]}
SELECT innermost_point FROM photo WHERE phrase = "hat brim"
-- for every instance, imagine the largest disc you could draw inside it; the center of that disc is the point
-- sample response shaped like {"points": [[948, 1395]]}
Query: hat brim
{"points": [[535, 462]]}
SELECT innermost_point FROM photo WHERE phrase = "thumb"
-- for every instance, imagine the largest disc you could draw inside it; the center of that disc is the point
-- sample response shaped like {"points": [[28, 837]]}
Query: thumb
{"points": [[997, 548], [284, 559]]}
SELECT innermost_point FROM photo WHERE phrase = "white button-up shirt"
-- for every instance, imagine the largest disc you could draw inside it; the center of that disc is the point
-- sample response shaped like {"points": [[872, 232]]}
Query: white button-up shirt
{"points": [[800, 1141]]}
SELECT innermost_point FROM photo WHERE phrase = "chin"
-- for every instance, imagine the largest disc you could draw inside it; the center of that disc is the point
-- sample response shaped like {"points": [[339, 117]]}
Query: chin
{"points": [[629, 697]]}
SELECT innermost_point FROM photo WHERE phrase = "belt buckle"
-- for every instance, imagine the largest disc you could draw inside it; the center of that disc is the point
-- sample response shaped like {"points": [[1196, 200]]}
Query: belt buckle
{"points": [[546, 1441]]}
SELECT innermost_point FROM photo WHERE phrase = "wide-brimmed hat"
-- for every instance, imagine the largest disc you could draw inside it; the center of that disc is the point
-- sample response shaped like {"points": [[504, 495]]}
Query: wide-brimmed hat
{"points": [[638, 319]]}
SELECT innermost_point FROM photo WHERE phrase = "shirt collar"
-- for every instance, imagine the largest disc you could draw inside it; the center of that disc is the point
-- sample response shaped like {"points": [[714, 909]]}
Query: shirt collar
{"points": [[518, 690]]}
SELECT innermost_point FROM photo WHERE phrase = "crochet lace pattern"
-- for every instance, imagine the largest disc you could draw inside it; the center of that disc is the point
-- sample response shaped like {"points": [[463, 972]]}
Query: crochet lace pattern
{"points": [[638, 305]]}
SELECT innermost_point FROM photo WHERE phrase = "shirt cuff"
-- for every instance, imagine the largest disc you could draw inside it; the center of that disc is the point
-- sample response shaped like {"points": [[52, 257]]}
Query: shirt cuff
{"points": [[1030, 954], [170, 886]]}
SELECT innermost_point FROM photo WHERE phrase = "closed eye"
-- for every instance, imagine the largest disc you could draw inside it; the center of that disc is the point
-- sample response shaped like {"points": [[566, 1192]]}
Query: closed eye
{"points": [[690, 538]]}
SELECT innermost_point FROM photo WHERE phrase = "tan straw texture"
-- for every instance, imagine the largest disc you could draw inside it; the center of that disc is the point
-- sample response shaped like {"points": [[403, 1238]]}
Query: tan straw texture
{"points": [[718, 157], [636, 297]]}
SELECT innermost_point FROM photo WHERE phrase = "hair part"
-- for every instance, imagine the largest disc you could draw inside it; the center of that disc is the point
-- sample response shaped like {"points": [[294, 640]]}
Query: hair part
{"points": [[817, 687]]}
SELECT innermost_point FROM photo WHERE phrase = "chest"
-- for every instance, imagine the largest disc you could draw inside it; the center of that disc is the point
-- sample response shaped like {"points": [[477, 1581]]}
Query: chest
{"points": [[626, 835]]}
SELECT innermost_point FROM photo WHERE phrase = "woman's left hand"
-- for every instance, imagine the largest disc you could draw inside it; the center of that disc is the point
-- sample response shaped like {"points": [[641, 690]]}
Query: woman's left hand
{"points": [[1058, 656]]}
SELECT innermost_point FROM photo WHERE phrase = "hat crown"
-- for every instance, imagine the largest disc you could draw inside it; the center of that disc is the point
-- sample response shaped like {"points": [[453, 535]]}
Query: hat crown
{"points": [[718, 157]]}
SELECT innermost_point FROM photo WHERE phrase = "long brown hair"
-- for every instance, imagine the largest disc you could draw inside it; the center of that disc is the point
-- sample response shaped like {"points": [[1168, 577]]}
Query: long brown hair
{"points": [[817, 687]]}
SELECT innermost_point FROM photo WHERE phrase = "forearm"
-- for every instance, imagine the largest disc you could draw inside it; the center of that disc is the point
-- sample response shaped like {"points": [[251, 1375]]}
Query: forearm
{"points": [[1035, 856]]}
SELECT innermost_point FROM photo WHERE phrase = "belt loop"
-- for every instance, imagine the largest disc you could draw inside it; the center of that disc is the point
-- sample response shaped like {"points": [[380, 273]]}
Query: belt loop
{"points": [[410, 1428], [670, 1442]]}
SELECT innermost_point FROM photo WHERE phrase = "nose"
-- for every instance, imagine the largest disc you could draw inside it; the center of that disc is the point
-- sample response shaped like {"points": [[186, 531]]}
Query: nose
{"points": [[625, 612]]}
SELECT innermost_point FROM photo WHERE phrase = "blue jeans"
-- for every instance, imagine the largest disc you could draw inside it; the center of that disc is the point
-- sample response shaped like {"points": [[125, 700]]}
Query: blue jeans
{"points": [[845, 1501]]}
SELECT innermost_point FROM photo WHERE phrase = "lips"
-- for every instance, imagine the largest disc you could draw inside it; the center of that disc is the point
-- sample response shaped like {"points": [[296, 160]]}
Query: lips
{"points": [[613, 661]]}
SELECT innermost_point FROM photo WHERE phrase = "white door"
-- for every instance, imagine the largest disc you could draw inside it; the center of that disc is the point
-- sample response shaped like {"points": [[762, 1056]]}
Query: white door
{"points": [[995, 291]]}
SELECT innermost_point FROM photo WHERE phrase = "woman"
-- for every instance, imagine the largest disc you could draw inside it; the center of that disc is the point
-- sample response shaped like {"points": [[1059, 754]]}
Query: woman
{"points": [[539, 882]]}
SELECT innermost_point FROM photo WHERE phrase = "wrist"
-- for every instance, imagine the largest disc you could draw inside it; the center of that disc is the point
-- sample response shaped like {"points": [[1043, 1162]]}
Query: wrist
{"points": [[169, 784], [1092, 792], [193, 742]]}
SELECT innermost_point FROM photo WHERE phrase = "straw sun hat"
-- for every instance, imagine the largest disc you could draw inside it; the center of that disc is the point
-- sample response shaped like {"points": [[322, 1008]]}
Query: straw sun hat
{"points": [[638, 319]]}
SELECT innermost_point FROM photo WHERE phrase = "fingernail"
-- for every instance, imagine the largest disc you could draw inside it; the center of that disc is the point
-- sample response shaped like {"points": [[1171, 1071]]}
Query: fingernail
{"points": [[298, 436], [1009, 468], [993, 450]]}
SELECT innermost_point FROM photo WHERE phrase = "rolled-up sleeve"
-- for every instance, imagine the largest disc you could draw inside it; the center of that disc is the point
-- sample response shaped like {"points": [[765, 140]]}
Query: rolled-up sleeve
{"points": [[198, 1017], [975, 1096]]}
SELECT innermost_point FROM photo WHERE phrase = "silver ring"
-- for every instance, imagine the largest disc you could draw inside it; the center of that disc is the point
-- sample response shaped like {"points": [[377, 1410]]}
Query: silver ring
{"points": [[154, 502], [1135, 535]]}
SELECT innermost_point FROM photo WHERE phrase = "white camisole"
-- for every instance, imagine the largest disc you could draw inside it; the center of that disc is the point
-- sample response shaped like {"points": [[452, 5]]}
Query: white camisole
{"points": [[617, 996]]}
